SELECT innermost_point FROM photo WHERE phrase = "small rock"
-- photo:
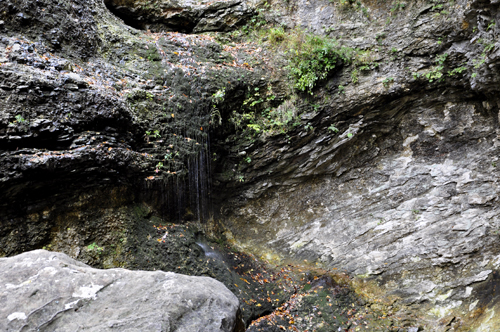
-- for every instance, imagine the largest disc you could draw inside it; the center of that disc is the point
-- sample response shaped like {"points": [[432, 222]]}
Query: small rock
{"points": [[16, 47]]}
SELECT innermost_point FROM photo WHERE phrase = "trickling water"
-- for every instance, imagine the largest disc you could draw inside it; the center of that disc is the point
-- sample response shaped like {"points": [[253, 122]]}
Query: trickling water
{"points": [[187, 193], [209, 251]]}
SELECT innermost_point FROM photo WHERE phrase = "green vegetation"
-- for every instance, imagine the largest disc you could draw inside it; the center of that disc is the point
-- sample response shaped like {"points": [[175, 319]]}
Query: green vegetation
{"points": [[307, 59], [19, 122], [438, 7], [333, 129], [397, 5], [312, 58], [154, 134], [153, 55], [379, 37], [95, 248], [456, 71], [352, 4], [217, 97], [387, 81], [362, 61], [490, 25], [259, 117], [309, 127], [437, 72]]}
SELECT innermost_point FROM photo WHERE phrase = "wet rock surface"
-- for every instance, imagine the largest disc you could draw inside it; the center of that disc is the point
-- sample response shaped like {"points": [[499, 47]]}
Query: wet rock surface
{"points": [[136, 114], [65, 294], [294, 296], [58, 26], [183, 248]]}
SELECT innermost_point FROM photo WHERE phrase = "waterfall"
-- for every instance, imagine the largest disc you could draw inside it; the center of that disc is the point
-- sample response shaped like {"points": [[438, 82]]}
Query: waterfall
{"points": [[187, 194]]}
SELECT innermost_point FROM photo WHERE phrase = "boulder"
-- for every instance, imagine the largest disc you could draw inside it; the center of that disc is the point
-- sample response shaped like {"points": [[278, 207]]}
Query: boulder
{"points": [[48, 291]]}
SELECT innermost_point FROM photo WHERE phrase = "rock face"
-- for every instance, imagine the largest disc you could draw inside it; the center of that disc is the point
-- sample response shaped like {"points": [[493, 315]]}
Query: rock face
{"points": [[390, 172], [185, 16], [47, 291], [74, 130], [406, 193]]}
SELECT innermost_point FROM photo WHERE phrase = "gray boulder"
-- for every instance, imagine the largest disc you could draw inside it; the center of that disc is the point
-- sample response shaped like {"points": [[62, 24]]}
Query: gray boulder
{"points": [[49, 291]]}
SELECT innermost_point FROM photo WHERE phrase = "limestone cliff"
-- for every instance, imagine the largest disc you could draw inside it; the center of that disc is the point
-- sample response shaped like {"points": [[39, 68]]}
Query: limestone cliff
{"points": [[406, 193], [385, 166]]}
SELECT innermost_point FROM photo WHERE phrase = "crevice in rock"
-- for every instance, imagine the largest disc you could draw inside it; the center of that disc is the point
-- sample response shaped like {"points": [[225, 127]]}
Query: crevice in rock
{"points": [[45, 140], [136, 20]]}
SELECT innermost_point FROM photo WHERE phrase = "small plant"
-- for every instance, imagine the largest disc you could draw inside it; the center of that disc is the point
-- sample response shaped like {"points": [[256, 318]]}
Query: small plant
{"points": [[19, 121], [218, 96], [379, 37], [276, 35], [333, 129], [354, 76], [154, 134], [313, 58], [308, 127], [456, 71], [491, 25], [437, 7], [397, 5], [95, 248], [241, 178], [489, 47], [341, 89], [387, 81], [479, 62], [255, 127], [437, 72], [248, 160]]}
